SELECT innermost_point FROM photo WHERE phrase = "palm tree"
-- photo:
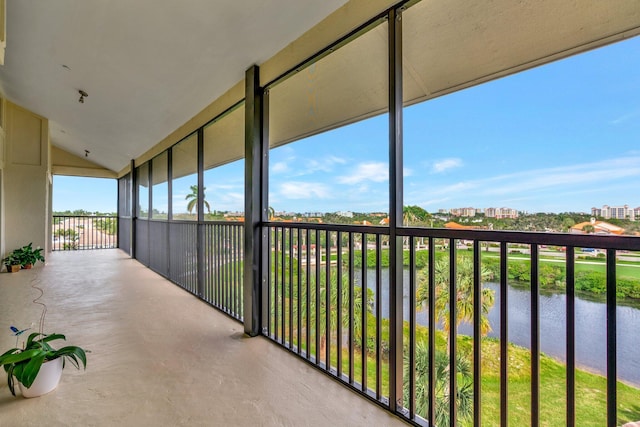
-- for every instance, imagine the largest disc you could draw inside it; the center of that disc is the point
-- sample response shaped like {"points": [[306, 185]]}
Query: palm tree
{"points": [[332, 312], [344, 309], [193, 199], [464, 292], [464, 393]]}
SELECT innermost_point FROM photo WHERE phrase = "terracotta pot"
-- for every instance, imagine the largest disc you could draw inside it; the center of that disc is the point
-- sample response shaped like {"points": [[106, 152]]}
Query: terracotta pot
{"points": [[13, 268], [47, 379], [27, 266]]}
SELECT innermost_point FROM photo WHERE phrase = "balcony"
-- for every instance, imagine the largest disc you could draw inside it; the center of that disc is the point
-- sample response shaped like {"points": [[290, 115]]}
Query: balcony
{"points": [[159, 356], [375, 309]]}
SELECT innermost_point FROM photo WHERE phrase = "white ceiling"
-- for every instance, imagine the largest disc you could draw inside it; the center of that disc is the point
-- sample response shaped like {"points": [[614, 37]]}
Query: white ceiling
{"points": [[147, 65]]}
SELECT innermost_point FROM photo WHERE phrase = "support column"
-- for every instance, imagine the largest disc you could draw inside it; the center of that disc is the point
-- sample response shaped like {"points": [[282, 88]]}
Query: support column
{"points": [[134, 209], [395, 210], [255, 207], [200, 237]]}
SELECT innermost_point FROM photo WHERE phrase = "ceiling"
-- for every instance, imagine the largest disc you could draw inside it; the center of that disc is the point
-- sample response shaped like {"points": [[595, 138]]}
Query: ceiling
{"points": [[147, 66]]}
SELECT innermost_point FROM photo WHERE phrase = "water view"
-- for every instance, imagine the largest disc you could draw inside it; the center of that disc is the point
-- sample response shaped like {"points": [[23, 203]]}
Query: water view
{"points": [[590, 326]]}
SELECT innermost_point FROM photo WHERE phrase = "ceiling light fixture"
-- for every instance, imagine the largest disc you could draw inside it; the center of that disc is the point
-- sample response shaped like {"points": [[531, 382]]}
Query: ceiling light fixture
{"points": [[83, 95]]}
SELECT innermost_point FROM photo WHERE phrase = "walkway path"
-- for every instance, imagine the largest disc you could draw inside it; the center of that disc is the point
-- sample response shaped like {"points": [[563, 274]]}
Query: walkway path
{"points": [[161, 357]]}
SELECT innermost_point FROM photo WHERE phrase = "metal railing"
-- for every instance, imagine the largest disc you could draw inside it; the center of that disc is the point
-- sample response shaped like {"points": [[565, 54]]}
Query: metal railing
{"points": [[84, 232], [205, 259], [223, 267], [314, 307]]}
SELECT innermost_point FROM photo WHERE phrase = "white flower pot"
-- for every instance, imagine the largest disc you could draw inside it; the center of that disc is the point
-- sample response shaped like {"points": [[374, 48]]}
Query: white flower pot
{"points": [[47, 379]]}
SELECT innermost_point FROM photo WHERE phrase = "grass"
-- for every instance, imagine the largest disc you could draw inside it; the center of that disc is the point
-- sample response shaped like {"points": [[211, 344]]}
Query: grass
{"points": [[590, 391], [590, 388]]}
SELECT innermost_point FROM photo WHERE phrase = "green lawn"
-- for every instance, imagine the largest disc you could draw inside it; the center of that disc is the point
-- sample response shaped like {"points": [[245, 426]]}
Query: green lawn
{"points": [[590, 388], [590, 391]]}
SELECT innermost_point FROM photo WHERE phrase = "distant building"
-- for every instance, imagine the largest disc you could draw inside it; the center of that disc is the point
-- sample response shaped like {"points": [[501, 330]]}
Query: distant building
{"points": [[465, 212], [617, 212], [501, 213], [346, 214]]}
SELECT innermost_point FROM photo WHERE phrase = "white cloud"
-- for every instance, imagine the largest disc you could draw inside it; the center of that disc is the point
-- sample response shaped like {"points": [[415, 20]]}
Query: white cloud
{"points": [[372, 171], [433, 202], [325, 164], [625, 117], [544, 189], [443, 165], [280, 167], [304, 190], [593, 174], [574, 177]]}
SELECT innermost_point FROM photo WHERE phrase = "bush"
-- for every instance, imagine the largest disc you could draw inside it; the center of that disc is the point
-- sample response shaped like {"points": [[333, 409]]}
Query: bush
{"points": [[551, 276], [591, 281], [520, 271]]}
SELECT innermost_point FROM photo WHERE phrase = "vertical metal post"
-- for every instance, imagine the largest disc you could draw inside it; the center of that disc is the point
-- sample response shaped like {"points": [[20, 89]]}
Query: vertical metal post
{"points": [[571, 334], [453, 343], [170, 184], [169, 207], [200, 237], [612, 369], [150, 215], [256, 157], [395, 211], [148, 219], [477, 334], [432, 332], [118, 215], [504, 336], [134, 210], [535, 338]]}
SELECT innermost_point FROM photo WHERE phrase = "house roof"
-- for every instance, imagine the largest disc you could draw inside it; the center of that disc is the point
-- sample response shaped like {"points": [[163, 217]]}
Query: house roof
{"points": [[600, 227], [456, 226]]}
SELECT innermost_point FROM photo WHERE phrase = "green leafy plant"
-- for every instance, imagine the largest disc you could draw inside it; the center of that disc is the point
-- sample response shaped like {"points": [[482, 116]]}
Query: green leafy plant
{"points": [[23, 364], [11, 259], [28, 255]]}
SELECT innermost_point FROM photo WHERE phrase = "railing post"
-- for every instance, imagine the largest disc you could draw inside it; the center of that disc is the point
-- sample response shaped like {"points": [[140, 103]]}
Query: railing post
{"points": [[256, 187], [395, 211]]}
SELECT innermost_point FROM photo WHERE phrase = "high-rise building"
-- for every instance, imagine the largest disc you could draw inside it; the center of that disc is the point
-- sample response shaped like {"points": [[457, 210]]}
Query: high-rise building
{"points": [[501, 213], [617, 212]]}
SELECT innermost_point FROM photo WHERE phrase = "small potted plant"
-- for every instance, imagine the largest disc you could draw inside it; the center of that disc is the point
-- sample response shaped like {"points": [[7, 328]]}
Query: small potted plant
{"points": [[12, 263], [28, 256], [37, 367]]}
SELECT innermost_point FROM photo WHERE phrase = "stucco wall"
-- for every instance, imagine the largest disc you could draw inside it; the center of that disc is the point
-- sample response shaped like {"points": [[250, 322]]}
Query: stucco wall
{"points": [[25, 179]]}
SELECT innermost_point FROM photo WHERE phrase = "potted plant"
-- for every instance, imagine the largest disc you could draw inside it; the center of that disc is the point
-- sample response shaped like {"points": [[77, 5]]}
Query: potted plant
{"points": [[28, 256], [12, 263], [37, 367]]}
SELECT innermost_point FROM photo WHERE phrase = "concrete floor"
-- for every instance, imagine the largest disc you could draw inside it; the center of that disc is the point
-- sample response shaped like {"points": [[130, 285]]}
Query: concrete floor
{"points": [[160, 357]]}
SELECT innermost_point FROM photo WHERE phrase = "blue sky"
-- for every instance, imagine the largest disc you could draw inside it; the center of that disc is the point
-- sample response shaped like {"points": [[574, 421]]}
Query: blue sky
{"points": [[561, 137], [90, 194]]}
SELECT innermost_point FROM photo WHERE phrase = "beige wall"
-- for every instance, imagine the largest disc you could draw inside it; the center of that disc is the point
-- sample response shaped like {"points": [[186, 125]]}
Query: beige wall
{"points": [[65, 163], [25, 180], [2, 156]]}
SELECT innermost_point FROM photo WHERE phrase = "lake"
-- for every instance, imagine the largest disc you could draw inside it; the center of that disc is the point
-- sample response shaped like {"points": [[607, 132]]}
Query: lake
{"points": [[590, 339]]}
